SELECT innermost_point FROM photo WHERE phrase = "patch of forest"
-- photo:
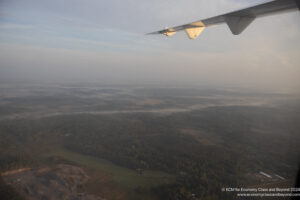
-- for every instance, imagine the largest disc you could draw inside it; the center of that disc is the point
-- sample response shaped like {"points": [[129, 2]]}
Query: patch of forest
{"points": [[243, 139]]}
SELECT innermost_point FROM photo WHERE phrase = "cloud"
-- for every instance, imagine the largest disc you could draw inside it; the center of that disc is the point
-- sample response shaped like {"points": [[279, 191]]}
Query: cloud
{"points": [[14, 26]]}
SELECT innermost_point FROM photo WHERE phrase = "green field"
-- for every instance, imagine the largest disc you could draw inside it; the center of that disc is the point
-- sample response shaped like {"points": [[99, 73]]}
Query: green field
{"points": [[123, 176]]}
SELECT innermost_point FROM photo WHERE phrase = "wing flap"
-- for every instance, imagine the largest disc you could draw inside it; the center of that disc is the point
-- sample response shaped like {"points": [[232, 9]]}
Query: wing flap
{"points": [[169, 32], [193, 33]]}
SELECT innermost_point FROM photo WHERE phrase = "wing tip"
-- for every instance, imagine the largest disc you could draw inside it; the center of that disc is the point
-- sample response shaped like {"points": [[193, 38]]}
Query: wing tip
{"points": [[166, 32]]}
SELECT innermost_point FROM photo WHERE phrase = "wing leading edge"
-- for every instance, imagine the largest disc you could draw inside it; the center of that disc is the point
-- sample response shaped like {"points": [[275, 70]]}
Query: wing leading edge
{"points": [[237, 21]]}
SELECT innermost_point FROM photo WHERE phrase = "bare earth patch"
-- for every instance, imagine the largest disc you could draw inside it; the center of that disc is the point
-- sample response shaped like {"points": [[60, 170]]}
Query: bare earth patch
{"points": [[51, 183]]}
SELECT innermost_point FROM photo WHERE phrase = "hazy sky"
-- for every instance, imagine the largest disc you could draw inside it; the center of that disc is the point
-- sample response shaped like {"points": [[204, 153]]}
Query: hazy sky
{"points": [[97, 40]]}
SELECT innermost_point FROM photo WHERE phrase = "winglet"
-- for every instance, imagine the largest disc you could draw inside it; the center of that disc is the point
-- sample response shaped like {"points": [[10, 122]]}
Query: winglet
{"points": [[238, 24]]}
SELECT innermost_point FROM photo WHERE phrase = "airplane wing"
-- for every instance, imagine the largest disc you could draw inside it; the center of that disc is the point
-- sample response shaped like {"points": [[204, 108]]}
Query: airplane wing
{"points": [[237, 21]]}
